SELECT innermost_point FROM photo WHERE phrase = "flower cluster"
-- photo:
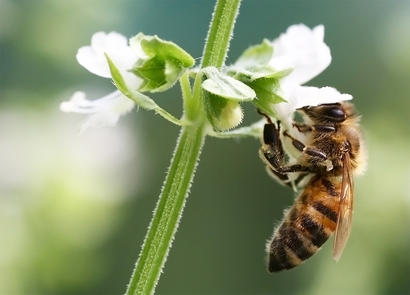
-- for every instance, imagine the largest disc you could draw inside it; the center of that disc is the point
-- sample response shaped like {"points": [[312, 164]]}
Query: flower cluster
{"points": [[141, 64], [106, 110], [270, 75], [303, 50]]}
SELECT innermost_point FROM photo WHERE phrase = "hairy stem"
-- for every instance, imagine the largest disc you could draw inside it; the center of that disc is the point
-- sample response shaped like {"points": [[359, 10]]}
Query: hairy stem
{"points": [[253, 130], [168, 211], [220, 33], [174, 193]]}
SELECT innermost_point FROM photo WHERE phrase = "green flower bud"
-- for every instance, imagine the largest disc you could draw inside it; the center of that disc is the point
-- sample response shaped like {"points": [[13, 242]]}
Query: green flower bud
{"points": [[223, 114]]}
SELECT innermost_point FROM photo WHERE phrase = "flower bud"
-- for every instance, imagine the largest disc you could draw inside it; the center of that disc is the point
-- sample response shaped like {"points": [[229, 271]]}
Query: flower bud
{"points": [[224, 114]]}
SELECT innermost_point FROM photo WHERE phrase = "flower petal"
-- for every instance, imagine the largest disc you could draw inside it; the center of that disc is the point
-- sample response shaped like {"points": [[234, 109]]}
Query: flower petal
{"points": [[303, 50], [116, 46], [103, 112], [312, 96]]}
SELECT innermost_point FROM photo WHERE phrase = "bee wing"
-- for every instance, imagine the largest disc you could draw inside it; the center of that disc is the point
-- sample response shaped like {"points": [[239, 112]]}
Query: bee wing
{"points": [[344, 219]]}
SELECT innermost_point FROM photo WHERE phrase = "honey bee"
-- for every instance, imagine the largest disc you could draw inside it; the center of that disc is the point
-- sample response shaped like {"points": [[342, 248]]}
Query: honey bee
{"points": [[332, 152]]}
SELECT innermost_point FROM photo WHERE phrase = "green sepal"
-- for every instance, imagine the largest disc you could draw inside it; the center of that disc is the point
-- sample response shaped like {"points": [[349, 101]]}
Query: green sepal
{"points": [[254, 64], [140, 99], [116, 75], [253, 69], [266, 91], [224, 86], [164, 64], [256, 56]]}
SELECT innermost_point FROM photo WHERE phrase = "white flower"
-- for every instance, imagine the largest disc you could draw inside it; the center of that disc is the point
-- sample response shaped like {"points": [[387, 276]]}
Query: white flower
{"points": [[302, 50], [106, 111], [116, 47], [312, 96], [102, 112]]}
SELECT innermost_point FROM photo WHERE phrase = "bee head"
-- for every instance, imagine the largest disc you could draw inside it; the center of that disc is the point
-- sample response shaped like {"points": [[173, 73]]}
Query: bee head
{"points": [[332, 112]]}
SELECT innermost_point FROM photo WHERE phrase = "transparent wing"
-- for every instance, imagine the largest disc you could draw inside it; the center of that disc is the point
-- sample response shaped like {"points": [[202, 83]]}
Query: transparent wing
{"points": [[344, 219]]}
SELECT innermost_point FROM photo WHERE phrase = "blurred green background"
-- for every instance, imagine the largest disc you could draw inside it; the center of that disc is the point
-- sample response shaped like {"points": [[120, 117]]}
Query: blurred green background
{"points": [[74, 209]]}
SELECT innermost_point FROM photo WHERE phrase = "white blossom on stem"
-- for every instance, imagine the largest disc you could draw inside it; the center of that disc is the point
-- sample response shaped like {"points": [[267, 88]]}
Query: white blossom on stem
{"points": [[304, 51], [106, 110], [102, 112]]}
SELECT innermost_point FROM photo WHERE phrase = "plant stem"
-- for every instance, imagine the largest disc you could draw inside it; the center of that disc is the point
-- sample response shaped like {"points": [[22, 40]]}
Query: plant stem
{"points": [[168, 211], [253, 130], [220, 33], [172, 199]]}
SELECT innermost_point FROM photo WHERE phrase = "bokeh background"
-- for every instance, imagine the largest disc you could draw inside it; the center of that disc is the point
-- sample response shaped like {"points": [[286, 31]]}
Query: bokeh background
{"points": [[74, 208]]}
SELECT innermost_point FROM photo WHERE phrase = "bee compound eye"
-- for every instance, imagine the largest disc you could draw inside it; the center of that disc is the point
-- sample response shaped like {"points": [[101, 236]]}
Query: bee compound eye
{"points": [[335, 114]]}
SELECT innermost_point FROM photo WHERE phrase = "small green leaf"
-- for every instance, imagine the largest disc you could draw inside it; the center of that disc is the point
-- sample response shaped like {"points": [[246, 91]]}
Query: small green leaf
{"points": [[254, 64], [227, 87], [257, 55], [140, 99], [266, 92], [253, 69], [152, 73], [116, 75], [155, 46], [266, 89], [165, 62]]}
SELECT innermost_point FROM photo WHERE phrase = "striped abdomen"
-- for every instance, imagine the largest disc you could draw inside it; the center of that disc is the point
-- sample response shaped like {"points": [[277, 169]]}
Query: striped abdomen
{"points": [[306, 226]]}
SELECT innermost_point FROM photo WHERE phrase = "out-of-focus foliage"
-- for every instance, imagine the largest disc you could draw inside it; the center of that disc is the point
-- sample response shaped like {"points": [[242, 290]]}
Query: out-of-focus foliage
{"points": [[74, 208]]}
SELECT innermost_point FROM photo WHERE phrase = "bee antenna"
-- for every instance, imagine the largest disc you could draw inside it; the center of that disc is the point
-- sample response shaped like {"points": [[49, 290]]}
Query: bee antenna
{"points": [[265, 115]]}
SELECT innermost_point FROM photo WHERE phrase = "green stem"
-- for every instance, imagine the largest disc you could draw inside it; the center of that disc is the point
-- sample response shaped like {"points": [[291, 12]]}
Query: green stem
{"points": [[168, 211], [220, 33], [254, 130], [172, 199], [189, 102], [164, 114], [149, 104]]}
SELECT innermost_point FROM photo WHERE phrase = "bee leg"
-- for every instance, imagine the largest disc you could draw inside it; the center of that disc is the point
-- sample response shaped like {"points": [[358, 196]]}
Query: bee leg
{"points": [[265, 115], [282, 178], [273, 143], [304, 128], [272, 152], [324, 128], [293, 168], [300, 178], [271, 136], [307, 150], [275, 162]]}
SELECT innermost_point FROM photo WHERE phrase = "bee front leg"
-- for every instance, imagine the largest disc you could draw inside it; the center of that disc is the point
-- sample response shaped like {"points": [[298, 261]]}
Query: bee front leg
{"points": [[282, 178], [272, 141], [273, 154], [312, 152], [304, 128], [276, 163], [272, 151]]}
